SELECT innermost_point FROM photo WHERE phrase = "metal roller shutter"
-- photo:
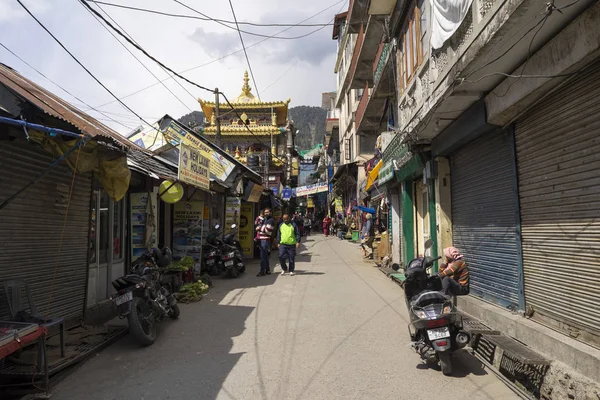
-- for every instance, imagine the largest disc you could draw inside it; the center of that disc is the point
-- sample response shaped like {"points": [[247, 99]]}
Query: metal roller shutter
{"points": [[485, 217], [31, 227], [558, 154]]}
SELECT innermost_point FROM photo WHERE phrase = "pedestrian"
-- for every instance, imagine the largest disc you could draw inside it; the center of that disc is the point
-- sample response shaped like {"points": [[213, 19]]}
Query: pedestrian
{"points": [[368, 233], [326, 225], [454, 273], [299, 221], [288, 240], [258, 223], [307, 225], [264, 235]]}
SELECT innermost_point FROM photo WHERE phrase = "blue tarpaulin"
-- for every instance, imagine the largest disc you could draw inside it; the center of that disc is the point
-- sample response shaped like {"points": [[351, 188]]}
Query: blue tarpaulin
{"points": [[365, 209]]}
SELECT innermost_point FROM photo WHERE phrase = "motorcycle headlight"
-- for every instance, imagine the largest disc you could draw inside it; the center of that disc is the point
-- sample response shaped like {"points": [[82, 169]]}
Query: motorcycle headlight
{"points": [[420, 313]]}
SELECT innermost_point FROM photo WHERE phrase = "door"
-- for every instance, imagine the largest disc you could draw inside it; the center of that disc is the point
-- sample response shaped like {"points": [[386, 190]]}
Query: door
{"points": [[421, 216], [106, 255], [558, 155], [485, 223]]}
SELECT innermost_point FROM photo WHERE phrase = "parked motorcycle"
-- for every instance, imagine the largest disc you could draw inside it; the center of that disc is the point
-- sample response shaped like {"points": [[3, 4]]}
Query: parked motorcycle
{"points": [[233, 257], [436, 329], [212, 257], [142, 298]]}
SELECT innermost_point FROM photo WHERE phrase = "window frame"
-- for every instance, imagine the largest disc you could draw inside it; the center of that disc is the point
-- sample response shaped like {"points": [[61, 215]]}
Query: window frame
{"points": [[411, 41]]}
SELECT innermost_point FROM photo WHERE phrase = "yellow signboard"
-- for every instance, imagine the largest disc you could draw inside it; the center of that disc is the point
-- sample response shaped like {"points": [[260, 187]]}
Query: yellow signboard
{"points": [[246, 229], [194, 167], [339, 206], [220, 167], [310, 202]]}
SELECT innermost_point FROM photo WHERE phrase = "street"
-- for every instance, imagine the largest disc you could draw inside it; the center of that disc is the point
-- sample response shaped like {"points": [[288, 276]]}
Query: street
{"points": [[336, 330]]}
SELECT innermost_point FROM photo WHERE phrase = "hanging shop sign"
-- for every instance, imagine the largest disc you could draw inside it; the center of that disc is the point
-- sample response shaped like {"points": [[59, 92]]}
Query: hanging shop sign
{"points": [[312, 189], [386, 172], [310, 203], [194, 167], [220, 167], [143, 214], [232, 214], [188, 229], [286, 194], [246, 230], [339, 206], [253, 192]]}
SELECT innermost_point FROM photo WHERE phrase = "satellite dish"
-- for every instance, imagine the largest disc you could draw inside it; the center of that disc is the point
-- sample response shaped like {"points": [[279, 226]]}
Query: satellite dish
{"points": [[171, 192]]}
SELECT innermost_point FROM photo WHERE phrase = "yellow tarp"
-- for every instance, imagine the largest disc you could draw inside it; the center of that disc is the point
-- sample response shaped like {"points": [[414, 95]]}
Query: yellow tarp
{"points": [[109, 167], [373, 174]]}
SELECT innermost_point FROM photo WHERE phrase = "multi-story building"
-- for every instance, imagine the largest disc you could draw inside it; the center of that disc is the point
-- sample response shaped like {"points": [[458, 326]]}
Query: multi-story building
{"points": [[487, 116]]}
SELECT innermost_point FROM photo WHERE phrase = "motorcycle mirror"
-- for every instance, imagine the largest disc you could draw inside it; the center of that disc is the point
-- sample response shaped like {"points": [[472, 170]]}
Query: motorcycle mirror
{"points": [[428, 244], [233, 226]]}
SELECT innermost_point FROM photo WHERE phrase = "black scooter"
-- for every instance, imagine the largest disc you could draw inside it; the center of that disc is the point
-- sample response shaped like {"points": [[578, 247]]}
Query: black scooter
{"points": [[436, 329], [212, 258], [233, 257]]}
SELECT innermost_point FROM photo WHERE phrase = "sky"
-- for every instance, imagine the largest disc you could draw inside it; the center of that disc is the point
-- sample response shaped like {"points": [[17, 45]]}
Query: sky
{"points": [[300, 69]]}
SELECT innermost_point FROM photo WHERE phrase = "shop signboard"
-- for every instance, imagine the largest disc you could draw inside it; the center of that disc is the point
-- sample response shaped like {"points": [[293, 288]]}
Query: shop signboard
{"points": [[253, 192], [386, 172], [246, 229], [286, 194], [310, 203], [339, 206], [220, 167], [143, 214], [232, 214], [188, 229], [311, 189], [194, 167]]}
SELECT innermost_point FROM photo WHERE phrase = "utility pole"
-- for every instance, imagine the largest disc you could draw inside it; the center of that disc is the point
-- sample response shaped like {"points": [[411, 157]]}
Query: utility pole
{"points": [[217, 120]]}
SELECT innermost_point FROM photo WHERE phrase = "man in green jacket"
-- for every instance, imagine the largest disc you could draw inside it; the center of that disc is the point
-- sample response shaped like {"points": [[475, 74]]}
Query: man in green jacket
{"points": [[288, 240]]}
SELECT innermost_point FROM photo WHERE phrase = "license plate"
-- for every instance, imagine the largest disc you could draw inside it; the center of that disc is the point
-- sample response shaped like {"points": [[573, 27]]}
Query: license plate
{"points": [[229, 263], [124, 298], [210, 262], [438, 333]]}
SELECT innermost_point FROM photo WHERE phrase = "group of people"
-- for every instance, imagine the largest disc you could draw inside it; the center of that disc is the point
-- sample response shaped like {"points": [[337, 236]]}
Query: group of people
{"points": [[287, 237], [454, 272]]}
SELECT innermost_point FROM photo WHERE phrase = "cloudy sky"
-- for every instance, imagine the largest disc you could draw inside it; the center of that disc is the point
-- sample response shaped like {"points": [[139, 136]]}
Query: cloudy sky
{"points": [[300, 69]]}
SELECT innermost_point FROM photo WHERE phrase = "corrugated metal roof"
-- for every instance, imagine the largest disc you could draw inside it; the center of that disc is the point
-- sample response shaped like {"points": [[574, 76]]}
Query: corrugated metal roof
{"points": [[147, 164], [53, 105]]}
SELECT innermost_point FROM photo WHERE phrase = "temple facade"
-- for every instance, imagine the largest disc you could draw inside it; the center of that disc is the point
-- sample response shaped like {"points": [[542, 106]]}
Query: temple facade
{"points": [[255, 134]]}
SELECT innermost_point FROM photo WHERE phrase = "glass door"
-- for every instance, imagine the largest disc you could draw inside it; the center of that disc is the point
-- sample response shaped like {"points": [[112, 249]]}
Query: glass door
{"points": [[99, 249]]}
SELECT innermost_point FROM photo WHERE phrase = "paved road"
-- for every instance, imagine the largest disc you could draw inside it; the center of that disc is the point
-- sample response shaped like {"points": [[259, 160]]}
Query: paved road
{"points": [[337, 330]]}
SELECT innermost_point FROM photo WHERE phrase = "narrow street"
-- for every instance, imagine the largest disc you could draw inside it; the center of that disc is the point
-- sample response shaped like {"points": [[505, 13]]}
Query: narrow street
{"points": [[336, 330]]}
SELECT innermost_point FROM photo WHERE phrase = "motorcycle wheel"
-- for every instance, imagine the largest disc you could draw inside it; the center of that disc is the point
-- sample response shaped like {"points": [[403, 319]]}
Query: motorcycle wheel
{"points": [[242, 269], [445, 362], [142, 328], [233, 272], [174, 313]]}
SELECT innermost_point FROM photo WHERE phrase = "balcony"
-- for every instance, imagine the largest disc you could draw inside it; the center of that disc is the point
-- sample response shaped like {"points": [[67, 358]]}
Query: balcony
{"points": [[372, 107], [357, 11], [366, 50]]}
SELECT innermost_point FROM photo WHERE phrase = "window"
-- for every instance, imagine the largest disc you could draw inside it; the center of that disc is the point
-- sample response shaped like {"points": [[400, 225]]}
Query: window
{"points": [[411, 44], [347, 150]]}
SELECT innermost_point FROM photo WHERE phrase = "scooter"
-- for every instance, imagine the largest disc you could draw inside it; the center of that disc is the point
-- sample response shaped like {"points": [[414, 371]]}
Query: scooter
{"points": [[212, 257], [233, 257], [436, 328]]}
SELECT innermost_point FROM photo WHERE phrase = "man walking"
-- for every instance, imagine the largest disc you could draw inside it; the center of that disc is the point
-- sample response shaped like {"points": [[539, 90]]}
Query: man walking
{"points": [[265, 231], [288, 240], [369, 236]]}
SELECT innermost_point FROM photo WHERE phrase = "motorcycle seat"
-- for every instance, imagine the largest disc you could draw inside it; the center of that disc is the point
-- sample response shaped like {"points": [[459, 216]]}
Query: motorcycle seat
{"points": [[429, 297]]}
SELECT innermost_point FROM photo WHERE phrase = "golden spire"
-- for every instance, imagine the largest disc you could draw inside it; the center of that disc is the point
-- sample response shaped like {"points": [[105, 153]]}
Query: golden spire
{"points": [[246, 88]]}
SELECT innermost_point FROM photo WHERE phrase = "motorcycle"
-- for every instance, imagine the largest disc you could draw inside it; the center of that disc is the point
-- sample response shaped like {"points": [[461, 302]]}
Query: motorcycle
{"points": [[142, 298], [212, 257], [435, 328], [233, 257]]}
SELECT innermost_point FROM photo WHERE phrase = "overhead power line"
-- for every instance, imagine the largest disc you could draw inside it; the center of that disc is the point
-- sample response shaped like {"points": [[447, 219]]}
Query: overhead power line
{"points": [[104, 113], [246, 32], [81, 65], [140, 48], [203, 18], [245, 52], [234, 52], [137, 59]]}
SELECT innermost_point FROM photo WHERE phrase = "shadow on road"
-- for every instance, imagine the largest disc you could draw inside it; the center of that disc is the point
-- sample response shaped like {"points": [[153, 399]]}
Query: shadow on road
{"points": [[191, 357], [463, 365]]}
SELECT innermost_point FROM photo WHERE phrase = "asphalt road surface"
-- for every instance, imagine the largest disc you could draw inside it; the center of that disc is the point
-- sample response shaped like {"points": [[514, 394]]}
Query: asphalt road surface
{"points": [[336, 330]]}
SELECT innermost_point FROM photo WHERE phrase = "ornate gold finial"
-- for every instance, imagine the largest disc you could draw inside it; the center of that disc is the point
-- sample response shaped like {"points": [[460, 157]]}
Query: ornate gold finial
{"points": [[246, 88]]}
